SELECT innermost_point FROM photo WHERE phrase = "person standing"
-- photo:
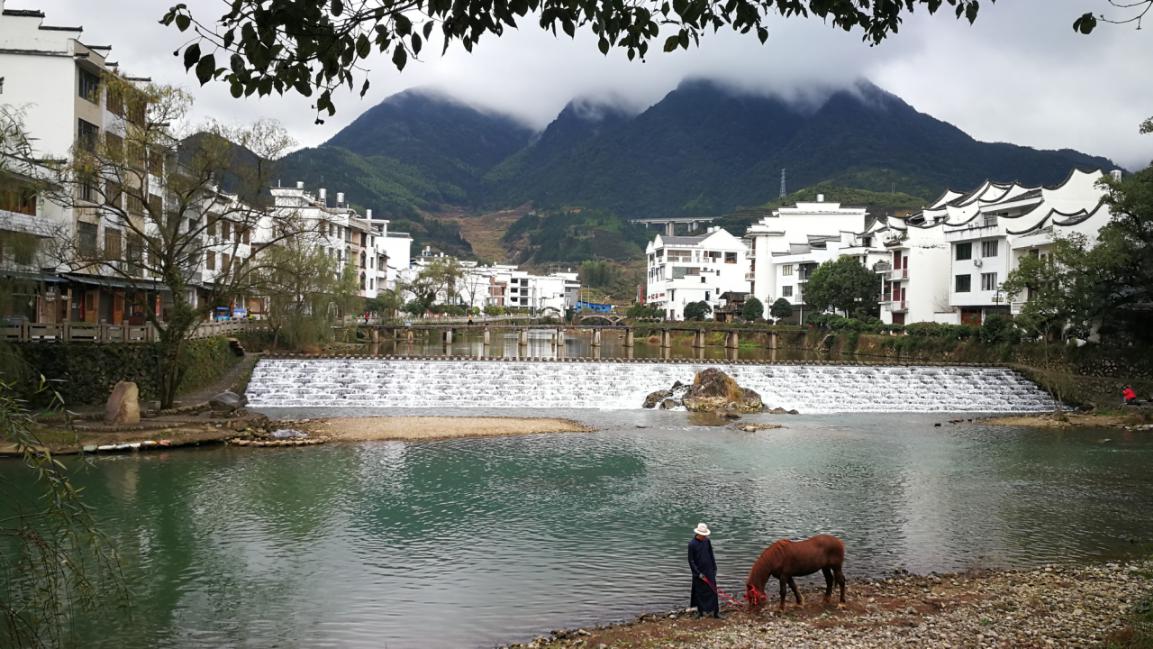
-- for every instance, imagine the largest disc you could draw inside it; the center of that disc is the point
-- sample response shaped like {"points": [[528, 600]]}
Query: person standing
{"points": [[703, 566]]}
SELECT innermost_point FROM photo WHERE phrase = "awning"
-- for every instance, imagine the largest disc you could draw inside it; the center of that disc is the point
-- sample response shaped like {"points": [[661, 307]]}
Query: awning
{"points": [[33, 276], [113, 282]]}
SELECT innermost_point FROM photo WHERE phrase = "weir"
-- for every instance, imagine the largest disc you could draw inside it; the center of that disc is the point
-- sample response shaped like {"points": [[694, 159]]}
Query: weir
{"points": [[397, 383]]}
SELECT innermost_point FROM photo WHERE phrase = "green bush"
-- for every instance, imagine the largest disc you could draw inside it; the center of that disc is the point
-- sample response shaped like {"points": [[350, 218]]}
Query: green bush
{"points": [[84, 373]]}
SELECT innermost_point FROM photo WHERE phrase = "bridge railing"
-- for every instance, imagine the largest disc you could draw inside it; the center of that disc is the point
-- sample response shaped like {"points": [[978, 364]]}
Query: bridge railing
{"points": [[87, 332]]}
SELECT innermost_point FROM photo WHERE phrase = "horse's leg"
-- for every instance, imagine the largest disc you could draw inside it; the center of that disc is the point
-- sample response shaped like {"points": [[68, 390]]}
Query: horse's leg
{"points": [[828, 573], [784, 591], [840, 581], [796, 593]]}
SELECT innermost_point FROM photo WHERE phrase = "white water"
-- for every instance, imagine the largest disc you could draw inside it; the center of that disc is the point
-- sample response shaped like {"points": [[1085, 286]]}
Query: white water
{"points": [[392, 383]]}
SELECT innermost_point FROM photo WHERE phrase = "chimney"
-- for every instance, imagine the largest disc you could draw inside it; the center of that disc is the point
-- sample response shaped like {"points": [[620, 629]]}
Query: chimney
{"points": [[300, 184], [820, 198], [340, 199], [1116, 174], [322, 193], [368, 214]]}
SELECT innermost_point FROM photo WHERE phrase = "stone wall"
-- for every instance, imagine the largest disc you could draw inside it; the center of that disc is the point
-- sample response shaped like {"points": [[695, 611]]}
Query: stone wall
{"points": [[84, 373]]}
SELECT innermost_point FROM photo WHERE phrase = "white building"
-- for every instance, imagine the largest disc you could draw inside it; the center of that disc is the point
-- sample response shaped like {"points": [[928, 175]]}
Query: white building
{"points": [[682, 270], [57, 83], [339, 230], [503, 285], [790, 244], [950, 260]]}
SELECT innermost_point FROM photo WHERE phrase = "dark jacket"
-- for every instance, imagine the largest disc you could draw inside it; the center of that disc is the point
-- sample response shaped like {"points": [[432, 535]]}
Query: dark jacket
{"points": [[701, 559]]}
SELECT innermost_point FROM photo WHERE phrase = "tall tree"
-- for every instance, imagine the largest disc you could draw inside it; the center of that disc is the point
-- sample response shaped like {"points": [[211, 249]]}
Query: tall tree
{"points": [[169, 231], [303, 285], [844, 285], [753, 309], [265, 46]]}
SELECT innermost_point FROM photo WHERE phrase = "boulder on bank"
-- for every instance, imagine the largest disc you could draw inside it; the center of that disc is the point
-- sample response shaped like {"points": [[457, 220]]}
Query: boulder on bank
{"points": [[123, 406], [228, 400], [712, 391]]}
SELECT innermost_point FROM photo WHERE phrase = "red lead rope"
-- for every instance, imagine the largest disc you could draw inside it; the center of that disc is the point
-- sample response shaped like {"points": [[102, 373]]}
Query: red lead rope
{"points": [[732, 600]]}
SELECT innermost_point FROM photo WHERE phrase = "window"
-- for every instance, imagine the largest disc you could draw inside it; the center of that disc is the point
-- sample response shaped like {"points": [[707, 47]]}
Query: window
{"points": [[86, 232], [211, 226], [964, 251], [115, 145], [88, 190], [225, 230], [225, 263], [192, 223], [989, 248], [113, 194], [156, 162], [210, 260], [786, 291], [115, 101], [962, 283], [730, 257], [87, 135], [156, 207], [135, 253], [989, 281], [135, 205], [112, 242], [246, 237], [89, 86], [787, 270]]}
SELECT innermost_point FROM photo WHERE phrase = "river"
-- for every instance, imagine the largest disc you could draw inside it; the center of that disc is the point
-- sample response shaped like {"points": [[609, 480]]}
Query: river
{"points": [[475, 542]]}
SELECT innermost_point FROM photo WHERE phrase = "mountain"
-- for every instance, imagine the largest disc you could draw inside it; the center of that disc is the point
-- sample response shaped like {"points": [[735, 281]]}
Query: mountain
{"points": [[704, 149], [574, 235]]}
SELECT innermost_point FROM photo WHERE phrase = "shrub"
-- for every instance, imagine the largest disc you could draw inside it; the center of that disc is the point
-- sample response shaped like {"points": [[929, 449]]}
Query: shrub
{"points": [[697, 310], [753, 309]]}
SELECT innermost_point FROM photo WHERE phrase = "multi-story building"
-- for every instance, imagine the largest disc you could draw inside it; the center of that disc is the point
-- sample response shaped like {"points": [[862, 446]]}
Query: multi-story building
{"points": [[683, 270], [58, 86], [502, 285], [963, 246], [363, 243]]}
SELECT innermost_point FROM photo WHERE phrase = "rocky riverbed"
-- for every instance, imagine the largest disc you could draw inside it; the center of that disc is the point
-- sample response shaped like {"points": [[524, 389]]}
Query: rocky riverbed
{"points": [[1092, 606]]}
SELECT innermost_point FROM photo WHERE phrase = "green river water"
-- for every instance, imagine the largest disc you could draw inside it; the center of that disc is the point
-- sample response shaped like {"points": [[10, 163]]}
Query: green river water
{"points": [[475, 542]]}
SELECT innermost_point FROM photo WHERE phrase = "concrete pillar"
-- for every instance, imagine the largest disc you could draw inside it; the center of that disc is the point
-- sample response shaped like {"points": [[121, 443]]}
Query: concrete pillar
{"points": [[699, 339], [597, 339], [666, 339], [560, 338], [487, 337], [410, 336], [733, 353], [630, 340], [448, 336], [732, 339], [522, 337], [375, 334], [670, 229], [772, 341]]}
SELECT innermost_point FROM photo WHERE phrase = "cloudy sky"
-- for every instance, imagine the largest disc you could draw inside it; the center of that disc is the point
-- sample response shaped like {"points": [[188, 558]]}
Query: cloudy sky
{"points": [[1020, 74]]}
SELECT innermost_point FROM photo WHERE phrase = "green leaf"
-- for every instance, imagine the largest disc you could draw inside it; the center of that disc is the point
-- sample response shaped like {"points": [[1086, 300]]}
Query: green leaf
{"points": [[337, 7], [427, 29], [399, 57], [672, 42], [363, 47], [183, 22], [403, 25], [191, 55], [206, 68], [1085, 24], [971, 11], [603, 45], [416, 44]]}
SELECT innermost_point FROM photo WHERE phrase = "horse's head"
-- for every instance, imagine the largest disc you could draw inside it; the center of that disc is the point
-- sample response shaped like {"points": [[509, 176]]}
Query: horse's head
{"points": [[755, 596]]}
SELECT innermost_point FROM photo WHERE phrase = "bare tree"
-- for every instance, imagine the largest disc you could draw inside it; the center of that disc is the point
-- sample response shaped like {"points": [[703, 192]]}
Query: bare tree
{"points": [[178, 221]]}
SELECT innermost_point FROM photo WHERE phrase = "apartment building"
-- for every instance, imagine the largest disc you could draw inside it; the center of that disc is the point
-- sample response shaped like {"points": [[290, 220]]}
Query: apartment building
{"points": [[502, 285], [57, 84], [951, 259], [686, 269], [347, 237]]}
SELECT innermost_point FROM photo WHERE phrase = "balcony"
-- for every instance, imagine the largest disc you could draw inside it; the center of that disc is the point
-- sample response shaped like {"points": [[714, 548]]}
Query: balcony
{"points": [[899, 306], [898, 274]]}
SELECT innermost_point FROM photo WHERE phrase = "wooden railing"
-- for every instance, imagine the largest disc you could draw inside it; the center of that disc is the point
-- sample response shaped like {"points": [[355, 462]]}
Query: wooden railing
{"points": [[85, 332]]}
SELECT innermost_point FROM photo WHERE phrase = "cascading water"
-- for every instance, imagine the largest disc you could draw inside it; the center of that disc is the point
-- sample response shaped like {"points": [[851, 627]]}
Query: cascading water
{"points": [[392, 383]]}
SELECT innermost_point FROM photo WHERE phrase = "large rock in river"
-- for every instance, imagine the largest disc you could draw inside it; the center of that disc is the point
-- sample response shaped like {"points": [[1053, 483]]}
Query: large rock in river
{"points": [[123, 406], [715, 391]]}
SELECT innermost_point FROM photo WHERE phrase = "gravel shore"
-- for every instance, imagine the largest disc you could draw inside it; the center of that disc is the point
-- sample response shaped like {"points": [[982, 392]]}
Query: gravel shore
{"points": [[1092, 606]]}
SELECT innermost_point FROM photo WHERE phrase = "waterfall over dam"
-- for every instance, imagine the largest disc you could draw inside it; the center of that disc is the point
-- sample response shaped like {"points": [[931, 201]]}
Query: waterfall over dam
{"points": [[417, 383]]}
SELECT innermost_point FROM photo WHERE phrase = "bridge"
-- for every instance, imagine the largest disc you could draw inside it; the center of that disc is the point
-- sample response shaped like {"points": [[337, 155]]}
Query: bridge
{"points": [[670, 222], [445, 333]]}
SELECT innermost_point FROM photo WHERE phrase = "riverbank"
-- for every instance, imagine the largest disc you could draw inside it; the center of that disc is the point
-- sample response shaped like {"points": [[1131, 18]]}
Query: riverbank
{"points": [[1141, 420], [1088, 606], [359, 429]]}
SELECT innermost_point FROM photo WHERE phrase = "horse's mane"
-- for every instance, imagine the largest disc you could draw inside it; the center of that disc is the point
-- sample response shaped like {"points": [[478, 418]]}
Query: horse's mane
{"points": [[769, 559]]}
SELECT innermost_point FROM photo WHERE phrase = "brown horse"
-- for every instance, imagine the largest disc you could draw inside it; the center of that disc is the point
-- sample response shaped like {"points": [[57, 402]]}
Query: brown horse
{"points": [[787, 559]]}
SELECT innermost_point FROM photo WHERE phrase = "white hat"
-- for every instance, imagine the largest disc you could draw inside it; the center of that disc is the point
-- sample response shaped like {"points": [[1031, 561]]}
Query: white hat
{"points": [[702, 529]]}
